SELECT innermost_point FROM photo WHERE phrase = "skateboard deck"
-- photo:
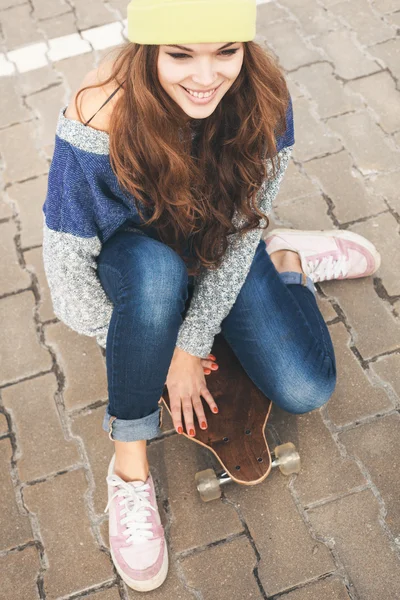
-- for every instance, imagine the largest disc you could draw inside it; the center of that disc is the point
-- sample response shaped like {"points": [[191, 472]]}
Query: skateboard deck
{"points": [[236, 435]]}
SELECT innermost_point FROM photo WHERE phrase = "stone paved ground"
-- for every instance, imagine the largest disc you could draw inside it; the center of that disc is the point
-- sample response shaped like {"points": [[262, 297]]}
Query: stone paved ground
{"points": [[333, 531]]}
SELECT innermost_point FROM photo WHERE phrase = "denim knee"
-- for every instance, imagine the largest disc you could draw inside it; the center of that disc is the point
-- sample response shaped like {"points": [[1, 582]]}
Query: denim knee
{"points": [[305, 391], [152, 285]]}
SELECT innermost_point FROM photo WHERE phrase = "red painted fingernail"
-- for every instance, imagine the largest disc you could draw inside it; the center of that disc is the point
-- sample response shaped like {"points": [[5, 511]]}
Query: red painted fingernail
{"points": [[191, 432], [215, 409], [215, 367], [207, 371], [212, 357], [204, 424], [180, 430]]}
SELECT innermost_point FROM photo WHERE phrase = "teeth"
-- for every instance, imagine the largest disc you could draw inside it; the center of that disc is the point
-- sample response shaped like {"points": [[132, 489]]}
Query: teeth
{"points": [[200, 95]]}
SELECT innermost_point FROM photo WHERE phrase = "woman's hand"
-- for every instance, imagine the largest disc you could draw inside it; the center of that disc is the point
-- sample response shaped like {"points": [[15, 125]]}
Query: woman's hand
{"points": [[186, 383]]}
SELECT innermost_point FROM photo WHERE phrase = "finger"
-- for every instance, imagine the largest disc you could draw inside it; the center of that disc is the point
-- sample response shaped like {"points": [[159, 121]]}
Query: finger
{"points": [[199, 410], [207, 371], [212, 357], [176, 411], [209, 364], [206, 394], [187, 408]]}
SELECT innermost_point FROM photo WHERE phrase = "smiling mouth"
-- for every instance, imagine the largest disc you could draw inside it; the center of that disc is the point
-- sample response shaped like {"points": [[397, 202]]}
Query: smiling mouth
{"points": [[201, 95]]}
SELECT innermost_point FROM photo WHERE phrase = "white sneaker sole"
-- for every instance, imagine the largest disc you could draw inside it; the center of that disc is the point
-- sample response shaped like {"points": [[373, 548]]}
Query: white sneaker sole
{"points": [[150, 584], [340, 233]]}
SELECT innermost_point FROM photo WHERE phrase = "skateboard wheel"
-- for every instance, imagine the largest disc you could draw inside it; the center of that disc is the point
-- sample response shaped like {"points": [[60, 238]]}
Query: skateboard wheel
{"points": [[287, 458], [208, 485]]}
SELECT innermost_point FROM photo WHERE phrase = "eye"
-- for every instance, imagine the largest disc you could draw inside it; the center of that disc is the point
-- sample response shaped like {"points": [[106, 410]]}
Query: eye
{"points": [[180, 56]]}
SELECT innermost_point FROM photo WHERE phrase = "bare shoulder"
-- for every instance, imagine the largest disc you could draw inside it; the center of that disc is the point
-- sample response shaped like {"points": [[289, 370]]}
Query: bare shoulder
{"points": [[91, 99]]}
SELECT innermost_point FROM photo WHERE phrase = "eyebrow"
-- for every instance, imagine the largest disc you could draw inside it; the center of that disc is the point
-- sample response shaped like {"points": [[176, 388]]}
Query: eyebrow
{"points": [[189, 50]]}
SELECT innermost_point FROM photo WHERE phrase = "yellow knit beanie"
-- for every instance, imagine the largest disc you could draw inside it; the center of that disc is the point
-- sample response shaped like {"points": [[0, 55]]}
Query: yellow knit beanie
{"points": [[191, 21]]}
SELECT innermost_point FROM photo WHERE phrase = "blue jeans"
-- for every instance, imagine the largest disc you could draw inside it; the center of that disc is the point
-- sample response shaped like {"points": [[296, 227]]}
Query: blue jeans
{"points": [[275, 329]]}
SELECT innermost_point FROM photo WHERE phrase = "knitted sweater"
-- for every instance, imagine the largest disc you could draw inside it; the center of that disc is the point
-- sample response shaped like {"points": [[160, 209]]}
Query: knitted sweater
{"points": [[85, 205]]}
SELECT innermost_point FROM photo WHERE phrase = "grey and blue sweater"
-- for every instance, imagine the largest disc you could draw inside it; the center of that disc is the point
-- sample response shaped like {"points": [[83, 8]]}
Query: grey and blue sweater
{"points": [[85, 205]]}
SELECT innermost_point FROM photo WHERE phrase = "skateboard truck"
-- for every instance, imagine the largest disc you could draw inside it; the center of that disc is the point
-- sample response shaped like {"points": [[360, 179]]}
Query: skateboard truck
{"points": [[209, 482]]}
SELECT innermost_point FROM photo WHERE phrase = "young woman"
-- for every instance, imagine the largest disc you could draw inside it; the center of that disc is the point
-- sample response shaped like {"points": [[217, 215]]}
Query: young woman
{"points": [[152, 242]]}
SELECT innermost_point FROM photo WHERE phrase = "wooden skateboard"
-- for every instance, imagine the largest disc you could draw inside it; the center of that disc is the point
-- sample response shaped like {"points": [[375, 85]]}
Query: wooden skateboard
{"points": [[236, 435]]}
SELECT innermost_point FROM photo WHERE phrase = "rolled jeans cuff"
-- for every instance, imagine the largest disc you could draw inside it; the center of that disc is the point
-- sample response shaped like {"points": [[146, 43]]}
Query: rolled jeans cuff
{"points": [[133, 430], [291, 277]]}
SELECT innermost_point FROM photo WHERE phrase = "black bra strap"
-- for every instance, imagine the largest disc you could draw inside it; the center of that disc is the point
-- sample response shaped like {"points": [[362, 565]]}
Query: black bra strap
{"points": [[104, 103]]}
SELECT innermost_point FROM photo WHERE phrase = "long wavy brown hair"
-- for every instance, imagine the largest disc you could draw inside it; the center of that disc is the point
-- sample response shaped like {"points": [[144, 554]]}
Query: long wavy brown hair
{"points": [[188, 186]]}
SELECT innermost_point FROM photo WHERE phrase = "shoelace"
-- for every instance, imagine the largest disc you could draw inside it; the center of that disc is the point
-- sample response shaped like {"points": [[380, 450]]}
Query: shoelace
{"points": [[135, 503], [327, 268]]}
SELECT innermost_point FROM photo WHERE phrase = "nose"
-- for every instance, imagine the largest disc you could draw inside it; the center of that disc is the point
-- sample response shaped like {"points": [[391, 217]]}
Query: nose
{"points": [[205, 76]]}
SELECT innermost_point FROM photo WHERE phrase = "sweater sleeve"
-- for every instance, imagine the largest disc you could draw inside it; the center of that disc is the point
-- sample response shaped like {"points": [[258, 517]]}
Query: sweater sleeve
{"points": [[70, 248], [216, 291]]}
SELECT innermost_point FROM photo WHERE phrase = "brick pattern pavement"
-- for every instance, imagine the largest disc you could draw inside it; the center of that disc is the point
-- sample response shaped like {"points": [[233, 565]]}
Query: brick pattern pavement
{"points": [[333, 531]]}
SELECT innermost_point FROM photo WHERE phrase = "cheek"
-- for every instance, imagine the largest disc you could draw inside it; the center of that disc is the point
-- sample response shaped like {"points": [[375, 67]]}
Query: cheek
{"points": [[168, 73]]}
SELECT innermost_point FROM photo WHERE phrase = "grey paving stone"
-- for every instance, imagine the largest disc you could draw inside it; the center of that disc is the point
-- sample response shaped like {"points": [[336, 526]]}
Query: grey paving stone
{"points": [[15, 528], [388, 369], [326, 308], [22, 568], [3, 424], [352, 525], [365, 141], [29, 197], [111, 593], [284, 39], [91, 13], [349, 60], [216, 573], [350, 197], [21, 354], [268, 13], [364, 309], [42, 447], [324, 472], [370, 28], [327, 589], [58, 26], [81, 361], [6, 209], [20, 154], [305, 213], [313, 138], [387, 186], [46, 105], [11, 108], [380, 93], [354, 396], [377, 445], [38, 79], [44, 9], [386, 6], [294, 185], [99, 449], [34, 263], [389, 53], [326, 90], [289, 554], [382, 231], [174, 463], [313, 18], [75, 562], [73, 71], [18, 27], [12, 276]]}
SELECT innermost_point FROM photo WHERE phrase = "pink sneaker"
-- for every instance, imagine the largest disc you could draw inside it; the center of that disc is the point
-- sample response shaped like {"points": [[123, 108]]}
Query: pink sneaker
{"points": [[137, 542], [324, 255]]}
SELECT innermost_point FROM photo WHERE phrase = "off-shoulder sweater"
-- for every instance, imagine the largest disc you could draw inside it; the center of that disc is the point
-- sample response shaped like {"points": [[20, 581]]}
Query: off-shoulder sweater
{"points": [[85, 205]]}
